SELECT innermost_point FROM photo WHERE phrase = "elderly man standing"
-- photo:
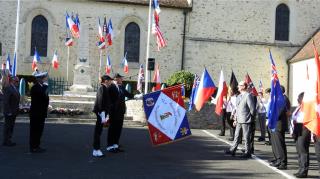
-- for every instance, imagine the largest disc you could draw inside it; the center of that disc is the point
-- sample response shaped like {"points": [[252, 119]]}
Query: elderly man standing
{"points": [[117, 93], [38, 111], [245, 113], [11, 99]]}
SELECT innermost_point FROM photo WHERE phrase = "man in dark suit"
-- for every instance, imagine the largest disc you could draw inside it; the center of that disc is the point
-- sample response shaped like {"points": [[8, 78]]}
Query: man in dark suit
{"points": [[11, 99], [38, 111], [101, 109], [117, 94], [245, 113], [278, 142]]}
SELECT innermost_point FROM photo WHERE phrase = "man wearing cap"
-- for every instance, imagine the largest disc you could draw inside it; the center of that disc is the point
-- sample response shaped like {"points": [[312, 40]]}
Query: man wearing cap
{"points": [[11, 99], [38, 111], [101, 109], [118, 107], [245, 113]]}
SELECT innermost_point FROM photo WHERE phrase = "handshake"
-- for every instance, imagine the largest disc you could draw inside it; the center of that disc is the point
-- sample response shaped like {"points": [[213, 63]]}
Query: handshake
{"points": [[104, 117]]}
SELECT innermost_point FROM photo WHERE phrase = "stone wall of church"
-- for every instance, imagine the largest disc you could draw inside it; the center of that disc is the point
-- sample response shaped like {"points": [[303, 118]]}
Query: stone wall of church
{"points": [[219, 35], [237, 35], [171, 21]]}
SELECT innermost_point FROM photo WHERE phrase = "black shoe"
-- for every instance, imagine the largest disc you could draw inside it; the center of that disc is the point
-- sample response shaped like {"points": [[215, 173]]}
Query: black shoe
{"points": [[261, 139], [37, 150], [301, 174], [274, 164], [245, 156], [119, 149], [282, 167], [113, 150], [221, 134], [9, 144], [229, 152], [230, 139]]}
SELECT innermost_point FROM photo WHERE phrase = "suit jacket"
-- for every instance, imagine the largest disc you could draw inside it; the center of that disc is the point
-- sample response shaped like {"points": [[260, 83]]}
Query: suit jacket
{"points": [[39, 101], [102, 100], [282, 124], [246, 108], [117, 98], [11, 99]]}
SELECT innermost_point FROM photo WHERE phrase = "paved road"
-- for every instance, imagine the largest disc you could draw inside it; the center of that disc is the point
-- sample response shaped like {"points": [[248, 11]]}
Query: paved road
{"points": [[69, 156]]}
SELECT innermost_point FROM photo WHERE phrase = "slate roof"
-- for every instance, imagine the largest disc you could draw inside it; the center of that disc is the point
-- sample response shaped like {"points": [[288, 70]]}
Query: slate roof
{"points": [[183, 4], [306, 52]]}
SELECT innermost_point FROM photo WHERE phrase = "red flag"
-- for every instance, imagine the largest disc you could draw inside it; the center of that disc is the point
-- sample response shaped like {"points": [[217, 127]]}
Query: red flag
{"points": [[222, 92], [311, 100], [156, 79], [251, 88]]}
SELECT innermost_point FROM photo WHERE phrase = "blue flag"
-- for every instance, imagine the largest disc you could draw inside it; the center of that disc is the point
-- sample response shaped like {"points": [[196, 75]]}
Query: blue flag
{"points": [[195, 86], [14, 68], [277, 101], [8, 63]]}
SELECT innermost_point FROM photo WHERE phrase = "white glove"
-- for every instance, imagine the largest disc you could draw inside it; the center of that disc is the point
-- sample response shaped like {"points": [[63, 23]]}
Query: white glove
{"points": [[103, 116], [138, 96]]}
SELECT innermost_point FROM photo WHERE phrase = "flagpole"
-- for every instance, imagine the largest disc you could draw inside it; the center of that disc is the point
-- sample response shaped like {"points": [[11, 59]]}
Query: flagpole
{"points": [[68, 56], [17, 35], [148, 46], [100, 64]]}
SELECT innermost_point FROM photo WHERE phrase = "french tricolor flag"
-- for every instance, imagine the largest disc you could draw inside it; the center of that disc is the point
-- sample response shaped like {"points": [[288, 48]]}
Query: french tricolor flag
{"points": [[101, 37], [108, 65], [110, 32], [36, 59], [205, 90], [55, 63], [69, 42], [73, 27], [125, 64], [8, 63]]}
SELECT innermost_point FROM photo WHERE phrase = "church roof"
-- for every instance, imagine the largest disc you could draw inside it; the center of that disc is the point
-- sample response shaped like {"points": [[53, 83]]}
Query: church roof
{"points": [[306, 52], [164, 3]]}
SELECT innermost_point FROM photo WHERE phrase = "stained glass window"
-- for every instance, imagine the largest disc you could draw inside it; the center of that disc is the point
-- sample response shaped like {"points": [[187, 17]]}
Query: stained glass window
{"points": [[282, 23]]}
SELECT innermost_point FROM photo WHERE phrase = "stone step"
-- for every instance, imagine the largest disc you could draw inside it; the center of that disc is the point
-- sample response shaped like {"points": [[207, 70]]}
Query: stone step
{"points": [[83, 98]]}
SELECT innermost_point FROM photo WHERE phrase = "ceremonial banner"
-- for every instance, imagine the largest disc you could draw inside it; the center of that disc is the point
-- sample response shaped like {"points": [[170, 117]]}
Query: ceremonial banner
{"points": [[166, 115]]}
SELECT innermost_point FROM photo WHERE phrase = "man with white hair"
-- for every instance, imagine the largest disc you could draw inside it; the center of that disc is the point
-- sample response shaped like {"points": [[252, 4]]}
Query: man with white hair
{"points": [[244, 116]]}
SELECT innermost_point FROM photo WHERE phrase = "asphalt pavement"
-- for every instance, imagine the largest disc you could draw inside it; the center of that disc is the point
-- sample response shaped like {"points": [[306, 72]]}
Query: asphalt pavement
{"points": [[69, 148]]}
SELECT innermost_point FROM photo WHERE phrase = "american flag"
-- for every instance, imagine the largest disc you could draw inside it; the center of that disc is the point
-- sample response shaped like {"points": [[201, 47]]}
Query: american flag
{"points": [[155, 26], [140, 79]]}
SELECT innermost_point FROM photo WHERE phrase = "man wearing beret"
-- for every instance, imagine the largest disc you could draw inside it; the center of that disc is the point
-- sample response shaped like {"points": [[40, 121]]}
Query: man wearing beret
{"points": [[117, 94], [101, 109], [38, 111]]}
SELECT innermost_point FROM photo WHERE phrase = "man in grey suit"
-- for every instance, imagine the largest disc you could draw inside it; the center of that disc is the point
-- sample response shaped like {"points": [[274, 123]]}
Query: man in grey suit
{"points": [[244, 116], [11, 99]]}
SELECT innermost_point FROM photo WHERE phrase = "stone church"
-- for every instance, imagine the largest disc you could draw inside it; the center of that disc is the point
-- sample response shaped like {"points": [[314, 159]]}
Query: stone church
{"points": [[216, 34]]}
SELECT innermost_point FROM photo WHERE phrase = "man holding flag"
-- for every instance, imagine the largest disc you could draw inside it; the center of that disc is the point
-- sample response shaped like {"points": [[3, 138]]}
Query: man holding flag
{"points": [[278, 112]]}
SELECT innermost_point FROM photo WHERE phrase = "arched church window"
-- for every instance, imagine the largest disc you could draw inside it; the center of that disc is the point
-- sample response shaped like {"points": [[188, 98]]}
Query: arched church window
{"points": [[282, 23], [39, 35], [132, 42]]}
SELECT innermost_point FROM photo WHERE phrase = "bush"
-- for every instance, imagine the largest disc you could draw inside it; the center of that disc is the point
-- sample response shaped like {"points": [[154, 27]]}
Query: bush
{"points": [[182, 77]]}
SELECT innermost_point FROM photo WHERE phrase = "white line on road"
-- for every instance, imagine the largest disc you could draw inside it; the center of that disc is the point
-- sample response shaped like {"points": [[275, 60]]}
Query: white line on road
{"points": [[253, 156]]}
